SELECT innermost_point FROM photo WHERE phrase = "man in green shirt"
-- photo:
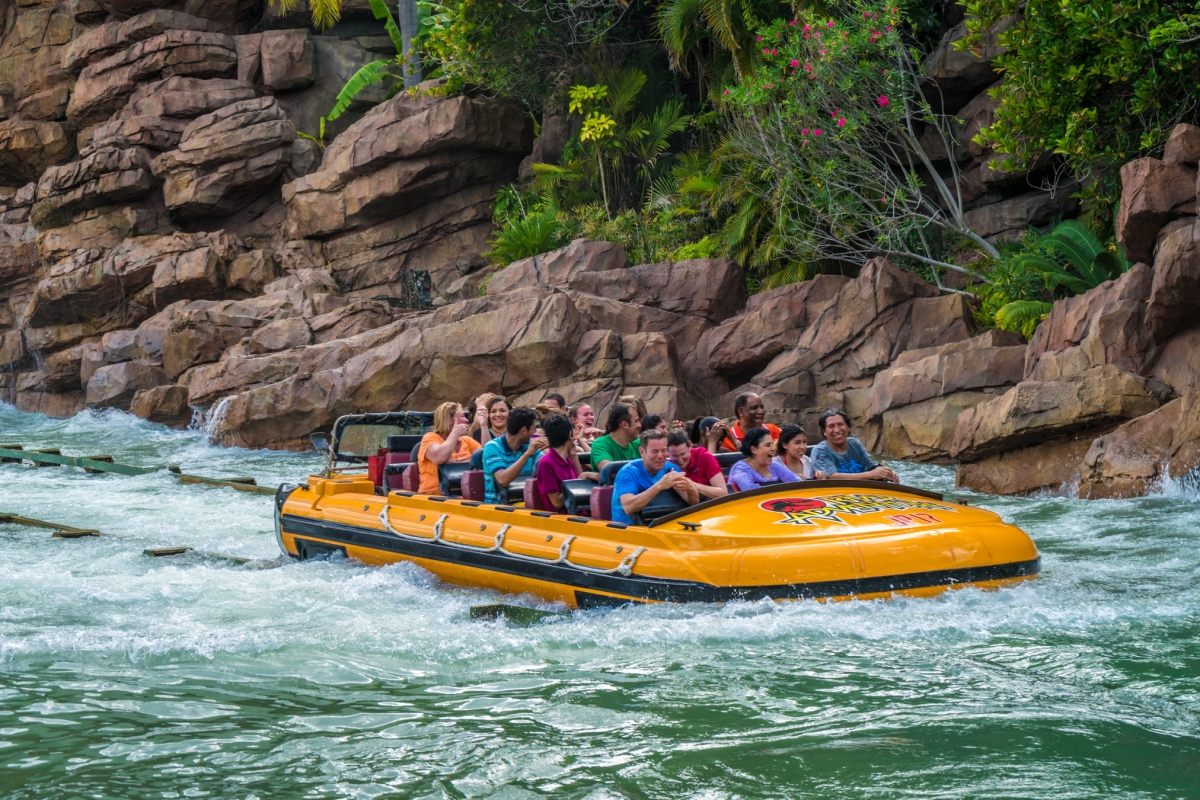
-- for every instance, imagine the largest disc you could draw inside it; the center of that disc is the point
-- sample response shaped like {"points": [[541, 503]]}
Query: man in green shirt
{"points": [[620, 442]]}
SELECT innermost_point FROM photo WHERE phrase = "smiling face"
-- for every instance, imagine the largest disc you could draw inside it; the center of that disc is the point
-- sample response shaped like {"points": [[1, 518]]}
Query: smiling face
{"points": [[837, 431], [460, 418], [795, 447], [752, 413], [585, 416], [498, 416], [680, 455], [764, 452], [654, 455]]}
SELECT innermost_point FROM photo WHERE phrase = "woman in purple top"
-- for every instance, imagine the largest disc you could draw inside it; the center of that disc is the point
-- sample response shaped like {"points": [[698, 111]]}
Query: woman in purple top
{"points": [[757, 467]]}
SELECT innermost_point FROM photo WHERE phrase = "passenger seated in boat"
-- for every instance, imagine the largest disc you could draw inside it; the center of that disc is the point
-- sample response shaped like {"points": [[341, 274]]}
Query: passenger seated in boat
{"points": [[699, 465], [447, 443], [749, 410], [843, 457], [636, 403], [639, 482], [792, 448], [492, 421], [560, 463], [586, 431], [709, 432], [556, 402], [621, 441], [513, 454], [653, 422], [758, 466]]}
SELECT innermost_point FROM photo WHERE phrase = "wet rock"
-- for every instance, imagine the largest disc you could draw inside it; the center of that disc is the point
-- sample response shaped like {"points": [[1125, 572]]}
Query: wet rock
{"points": [[1152, 194], [166, 405], [1179, 363], [60, 371], [114, 386], [1035, 411], [1127, 462], [1054, 466], [226, 159]]}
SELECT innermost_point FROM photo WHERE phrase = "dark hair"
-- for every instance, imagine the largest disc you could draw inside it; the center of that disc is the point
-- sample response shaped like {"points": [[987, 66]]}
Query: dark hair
{"points": [[649, 436], [497, 399], [558, 398], [558, 429], [701, 426], [520, 418], [833, 412], [677, 437], [651, 421], [616, 415], [788, 433], [751, 440]]}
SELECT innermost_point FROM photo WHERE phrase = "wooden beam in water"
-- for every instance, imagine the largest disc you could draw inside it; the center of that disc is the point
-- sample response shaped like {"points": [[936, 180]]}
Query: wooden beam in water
{"points": [[60, 531]]}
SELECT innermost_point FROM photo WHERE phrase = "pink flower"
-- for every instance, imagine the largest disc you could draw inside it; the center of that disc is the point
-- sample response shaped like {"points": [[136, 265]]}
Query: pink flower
{"points": [[804, 132], [774, 52], [829, 24], [793, 22], [835, 113], [766, 51], [808, 67], [795, 63], [806, 36], [818, 132], [883, 199], [889, 28], [883, 101], [821, 52], [759, 39], [866, 15], [807, 28], [841, 122], [726, 91]]}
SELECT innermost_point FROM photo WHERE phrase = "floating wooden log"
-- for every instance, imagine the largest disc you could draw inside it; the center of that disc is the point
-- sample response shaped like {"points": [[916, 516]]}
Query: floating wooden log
{"points": [[60, 531], [518, 615]]}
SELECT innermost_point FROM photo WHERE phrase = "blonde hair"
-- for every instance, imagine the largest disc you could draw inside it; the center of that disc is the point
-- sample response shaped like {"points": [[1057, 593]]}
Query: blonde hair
{"points": [[634, 402], [444, 416]]}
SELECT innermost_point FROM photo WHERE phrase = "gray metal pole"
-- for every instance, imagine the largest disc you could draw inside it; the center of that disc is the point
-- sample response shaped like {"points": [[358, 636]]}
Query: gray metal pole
{"points": [[407, 13]]}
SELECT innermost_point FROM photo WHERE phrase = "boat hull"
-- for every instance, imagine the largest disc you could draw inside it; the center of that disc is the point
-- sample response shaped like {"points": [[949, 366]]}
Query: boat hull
{"points": [[743, 549]]}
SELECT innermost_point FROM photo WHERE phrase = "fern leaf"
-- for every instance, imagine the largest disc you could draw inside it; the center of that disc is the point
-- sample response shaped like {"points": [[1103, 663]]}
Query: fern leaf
{"points": [[326, 13], [1022, 316]]}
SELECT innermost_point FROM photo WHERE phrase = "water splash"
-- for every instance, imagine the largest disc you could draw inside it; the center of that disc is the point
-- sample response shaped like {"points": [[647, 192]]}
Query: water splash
{"points": [[214, 426]]}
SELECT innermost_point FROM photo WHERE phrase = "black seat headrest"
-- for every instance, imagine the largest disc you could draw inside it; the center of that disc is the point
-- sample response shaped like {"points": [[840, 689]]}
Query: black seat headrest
{"points": [[476, 461], [609, 473], [727, 460], [412, 456], [585, 460], [402, 442], [450, 478], [664, 503], [515, 491], [577, 494]]}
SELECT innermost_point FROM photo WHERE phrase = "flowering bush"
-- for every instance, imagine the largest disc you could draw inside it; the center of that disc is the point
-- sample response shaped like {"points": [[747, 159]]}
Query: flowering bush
{"points": [[836, 127]]}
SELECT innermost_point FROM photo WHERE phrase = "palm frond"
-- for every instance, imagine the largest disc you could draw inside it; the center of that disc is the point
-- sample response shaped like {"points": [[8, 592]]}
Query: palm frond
{"points": [[326, 13]]}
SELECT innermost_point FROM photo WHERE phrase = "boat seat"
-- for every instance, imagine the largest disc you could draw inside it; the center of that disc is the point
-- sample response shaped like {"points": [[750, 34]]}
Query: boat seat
{"points": [[473, 486], [735, 488], [410, 479], [577, 496], [664, 503], [585, 461], [533, 499], [412, 454], [515, 490], [476, 462], [393, 475], [601, 502], [609, 473], [403, 443], [450, 478], [726, 461]]}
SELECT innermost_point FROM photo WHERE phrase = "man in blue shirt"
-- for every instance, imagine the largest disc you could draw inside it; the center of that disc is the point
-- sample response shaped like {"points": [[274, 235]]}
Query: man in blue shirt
{"points": [[843, 457], [639, 482], [515, 453]]}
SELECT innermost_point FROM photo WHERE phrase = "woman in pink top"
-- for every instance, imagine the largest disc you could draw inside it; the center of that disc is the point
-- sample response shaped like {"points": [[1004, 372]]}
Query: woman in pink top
{"points": [[561, 463]]}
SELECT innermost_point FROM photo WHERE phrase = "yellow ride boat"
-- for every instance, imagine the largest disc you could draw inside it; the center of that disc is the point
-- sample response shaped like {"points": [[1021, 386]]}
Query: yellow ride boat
{"points": [[816, 539]]}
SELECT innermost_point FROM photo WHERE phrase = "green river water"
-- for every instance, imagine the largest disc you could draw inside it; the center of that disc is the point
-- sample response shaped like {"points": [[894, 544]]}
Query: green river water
{"points": [[124, 676]]}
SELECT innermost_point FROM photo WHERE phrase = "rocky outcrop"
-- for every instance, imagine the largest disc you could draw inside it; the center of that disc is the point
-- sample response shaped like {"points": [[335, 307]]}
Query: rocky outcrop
{"points": [[1153, 193]]}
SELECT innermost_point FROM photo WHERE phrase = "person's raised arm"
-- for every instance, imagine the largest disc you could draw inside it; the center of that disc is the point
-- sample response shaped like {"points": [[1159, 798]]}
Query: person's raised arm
{"points": [[441, 453], [509, 474]]}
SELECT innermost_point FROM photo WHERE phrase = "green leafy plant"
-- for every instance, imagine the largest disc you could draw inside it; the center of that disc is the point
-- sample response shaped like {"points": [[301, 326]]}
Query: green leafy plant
{"points": [[376, 71], [530, 235], [319, 138], [1095, 82]]}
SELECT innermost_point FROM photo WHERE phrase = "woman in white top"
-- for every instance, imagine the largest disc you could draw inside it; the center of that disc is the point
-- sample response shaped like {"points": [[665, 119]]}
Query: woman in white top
{"points": [[793, 446]]}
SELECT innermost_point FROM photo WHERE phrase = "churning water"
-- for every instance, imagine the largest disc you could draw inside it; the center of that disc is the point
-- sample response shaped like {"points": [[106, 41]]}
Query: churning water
{"points": [[132, 677]]}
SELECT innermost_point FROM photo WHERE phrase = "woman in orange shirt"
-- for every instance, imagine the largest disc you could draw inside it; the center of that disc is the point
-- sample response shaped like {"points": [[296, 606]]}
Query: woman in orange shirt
{"points": [[447, 443]]}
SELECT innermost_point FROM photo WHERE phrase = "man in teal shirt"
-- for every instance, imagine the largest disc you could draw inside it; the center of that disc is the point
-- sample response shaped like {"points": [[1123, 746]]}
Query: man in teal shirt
{"points": [[620, 442], [513, 454]]}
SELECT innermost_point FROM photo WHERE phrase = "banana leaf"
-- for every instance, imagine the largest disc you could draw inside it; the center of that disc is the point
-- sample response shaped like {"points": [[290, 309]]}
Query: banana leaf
{"points": [[371, 73]]}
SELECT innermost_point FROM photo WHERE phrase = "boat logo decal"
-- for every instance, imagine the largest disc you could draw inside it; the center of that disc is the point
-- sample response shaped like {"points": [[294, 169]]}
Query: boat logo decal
{"points": [[810, 511]]}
